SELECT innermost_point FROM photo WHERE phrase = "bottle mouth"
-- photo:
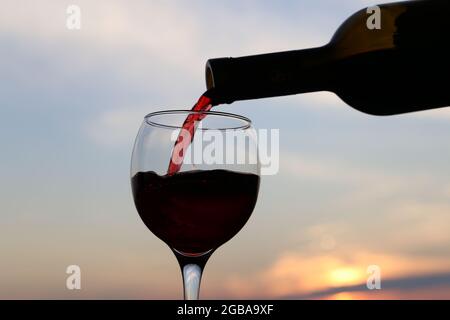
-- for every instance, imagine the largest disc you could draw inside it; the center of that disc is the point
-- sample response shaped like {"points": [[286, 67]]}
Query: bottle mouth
{"points": [[210, 120], [220, 76]]}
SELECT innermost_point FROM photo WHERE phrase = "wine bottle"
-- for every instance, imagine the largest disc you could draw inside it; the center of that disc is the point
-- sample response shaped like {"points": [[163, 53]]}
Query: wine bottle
{"points": [[401, 65]]}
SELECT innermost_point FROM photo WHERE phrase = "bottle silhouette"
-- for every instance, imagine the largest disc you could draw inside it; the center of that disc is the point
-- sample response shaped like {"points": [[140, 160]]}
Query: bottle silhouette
{"points": [[403, 66]]}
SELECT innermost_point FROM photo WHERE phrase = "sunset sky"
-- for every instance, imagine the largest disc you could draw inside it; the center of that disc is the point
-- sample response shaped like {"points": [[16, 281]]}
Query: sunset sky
{"points": [[353, 190]]}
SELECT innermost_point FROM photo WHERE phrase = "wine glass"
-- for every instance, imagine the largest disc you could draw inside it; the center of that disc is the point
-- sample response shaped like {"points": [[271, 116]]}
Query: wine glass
{"points": [[203, 205]]}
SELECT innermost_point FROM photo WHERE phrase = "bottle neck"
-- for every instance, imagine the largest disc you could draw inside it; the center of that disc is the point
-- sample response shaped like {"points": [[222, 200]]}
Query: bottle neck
{"points": [[268, 75]]}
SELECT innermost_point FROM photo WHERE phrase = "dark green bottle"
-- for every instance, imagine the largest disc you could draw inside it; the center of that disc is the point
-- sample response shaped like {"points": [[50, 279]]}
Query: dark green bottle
{"points": [[402, 67]]}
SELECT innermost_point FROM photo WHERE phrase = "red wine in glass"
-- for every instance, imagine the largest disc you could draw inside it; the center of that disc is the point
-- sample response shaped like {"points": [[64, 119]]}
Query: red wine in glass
{"points": [[195, 211]]}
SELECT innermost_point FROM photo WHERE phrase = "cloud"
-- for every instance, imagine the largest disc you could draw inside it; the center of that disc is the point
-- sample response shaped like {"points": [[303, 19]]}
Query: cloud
{"points": [[178, 34], [366, 183], [428, 286], [148, 52], [372, 208], [424, 225], [310, 276], [116, 128], [302, 166]]}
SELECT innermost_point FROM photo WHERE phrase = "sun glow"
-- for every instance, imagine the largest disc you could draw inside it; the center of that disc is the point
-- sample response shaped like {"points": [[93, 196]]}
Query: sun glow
{"points": [[342, 296], [346, 276]]}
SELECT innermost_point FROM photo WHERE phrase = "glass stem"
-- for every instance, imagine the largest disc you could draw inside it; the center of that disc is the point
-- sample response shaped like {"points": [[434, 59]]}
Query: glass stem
{"points": [[191, 269], [192, 275]]}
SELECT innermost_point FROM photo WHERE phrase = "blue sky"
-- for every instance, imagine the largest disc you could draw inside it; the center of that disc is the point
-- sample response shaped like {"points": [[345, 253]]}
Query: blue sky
{"points": [[353, 190]]}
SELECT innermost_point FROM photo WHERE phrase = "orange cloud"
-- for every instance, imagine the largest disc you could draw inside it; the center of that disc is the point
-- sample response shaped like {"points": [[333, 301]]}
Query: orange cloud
{"points": [[295, 274]]}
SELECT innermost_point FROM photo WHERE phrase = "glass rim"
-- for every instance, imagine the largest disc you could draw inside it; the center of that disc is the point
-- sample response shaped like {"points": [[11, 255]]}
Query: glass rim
{"points": [[247, 122]]}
